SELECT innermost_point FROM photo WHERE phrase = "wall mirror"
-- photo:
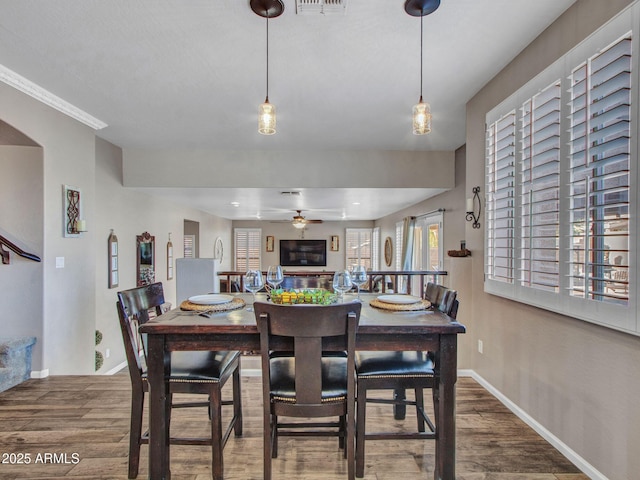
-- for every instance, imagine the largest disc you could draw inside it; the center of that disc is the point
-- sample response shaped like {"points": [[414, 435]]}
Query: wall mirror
{"points": [[146, 272]]}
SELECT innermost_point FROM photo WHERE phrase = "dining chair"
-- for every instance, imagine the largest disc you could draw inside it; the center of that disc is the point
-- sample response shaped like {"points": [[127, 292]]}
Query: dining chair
{"points": [[311, 383], [399, 371], [203, 372]]}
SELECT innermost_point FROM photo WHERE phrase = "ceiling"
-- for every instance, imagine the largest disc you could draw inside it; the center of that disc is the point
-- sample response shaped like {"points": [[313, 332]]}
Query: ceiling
{"points": [[190, 75]]}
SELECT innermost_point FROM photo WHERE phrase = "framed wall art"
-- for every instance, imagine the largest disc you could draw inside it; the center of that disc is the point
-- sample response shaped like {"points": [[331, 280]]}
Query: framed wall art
{"points": [[335, 243], [169, 259], [270, 243], [73, 223], [112, 251]]}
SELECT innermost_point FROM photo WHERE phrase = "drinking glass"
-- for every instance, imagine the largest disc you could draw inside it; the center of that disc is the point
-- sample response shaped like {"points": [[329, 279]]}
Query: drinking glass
{"points": [[274, 276], [358, 277], [253, 282], [342, 282]]}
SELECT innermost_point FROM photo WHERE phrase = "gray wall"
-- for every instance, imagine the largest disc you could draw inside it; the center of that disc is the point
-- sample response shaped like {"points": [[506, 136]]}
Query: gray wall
{"points": [[21, 213], [130, 213], [576, 379]]}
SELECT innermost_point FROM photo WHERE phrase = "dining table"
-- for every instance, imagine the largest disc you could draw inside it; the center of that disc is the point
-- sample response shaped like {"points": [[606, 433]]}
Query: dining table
{"points": [[378, 329]]}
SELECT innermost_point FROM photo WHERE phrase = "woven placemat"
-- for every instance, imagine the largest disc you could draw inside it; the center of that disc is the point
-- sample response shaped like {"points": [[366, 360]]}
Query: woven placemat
{"points": [[406, 307], [234, 304]]}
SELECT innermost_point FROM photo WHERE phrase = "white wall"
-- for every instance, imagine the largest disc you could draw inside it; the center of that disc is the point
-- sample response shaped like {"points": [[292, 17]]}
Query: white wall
{"points": [[578, 380], [21, 213], [68, 293], [130, 213]]}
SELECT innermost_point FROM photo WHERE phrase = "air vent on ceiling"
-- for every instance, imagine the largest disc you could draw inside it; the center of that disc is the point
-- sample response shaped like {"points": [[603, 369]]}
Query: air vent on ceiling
{"points": [[293, 193], [323, 7]]}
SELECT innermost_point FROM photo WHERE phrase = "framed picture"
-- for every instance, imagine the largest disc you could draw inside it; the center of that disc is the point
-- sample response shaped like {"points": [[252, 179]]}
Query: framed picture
{"points": [[169, 259], [335, 246], [72, 223], [112, 252], [269, 243]]}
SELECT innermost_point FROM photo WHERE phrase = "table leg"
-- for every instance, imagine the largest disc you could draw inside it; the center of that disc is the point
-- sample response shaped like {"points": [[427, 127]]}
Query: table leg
{"points": [[445, 468], [159, 367]]}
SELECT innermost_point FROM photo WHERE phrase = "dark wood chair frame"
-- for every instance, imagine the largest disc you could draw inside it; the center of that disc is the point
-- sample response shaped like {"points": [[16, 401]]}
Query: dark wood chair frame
{"points": [[134, 307], [304, 330], [444, 300]]}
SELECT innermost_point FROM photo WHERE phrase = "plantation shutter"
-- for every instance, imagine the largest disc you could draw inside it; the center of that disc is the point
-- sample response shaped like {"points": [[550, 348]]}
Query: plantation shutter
{"points": [[540, 190], [500, 144], [247, 248], [599, 175]]}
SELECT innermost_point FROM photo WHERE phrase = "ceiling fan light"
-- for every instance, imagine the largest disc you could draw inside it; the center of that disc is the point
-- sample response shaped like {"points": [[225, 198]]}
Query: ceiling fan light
{"points": [[267, 118], [421, 118], [298, 223]]}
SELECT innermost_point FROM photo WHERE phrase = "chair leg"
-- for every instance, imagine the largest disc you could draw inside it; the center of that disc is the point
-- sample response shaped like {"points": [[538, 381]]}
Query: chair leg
{"points": [[342, 429], [135, 432], [419, 408], [267, 442], [399, 409], [237, 402], [274, 436], [361, 411], [215, 406]]}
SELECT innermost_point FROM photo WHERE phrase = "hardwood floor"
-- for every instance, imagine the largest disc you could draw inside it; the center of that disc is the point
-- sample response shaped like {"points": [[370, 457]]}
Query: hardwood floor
{"points": [[77, 427]]}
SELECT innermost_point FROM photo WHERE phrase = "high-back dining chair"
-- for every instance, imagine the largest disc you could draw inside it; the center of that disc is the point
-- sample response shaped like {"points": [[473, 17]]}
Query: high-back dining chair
{"points": [[309, 383], [191, 372], [399, 371]]}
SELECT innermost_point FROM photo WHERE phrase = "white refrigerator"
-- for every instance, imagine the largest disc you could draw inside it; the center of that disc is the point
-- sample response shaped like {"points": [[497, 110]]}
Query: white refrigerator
{"points": [[196, 276]]}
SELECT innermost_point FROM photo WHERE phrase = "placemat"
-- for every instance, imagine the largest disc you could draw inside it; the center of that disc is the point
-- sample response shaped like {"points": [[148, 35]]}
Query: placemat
{"points": [[234, 304], [407, 307]]}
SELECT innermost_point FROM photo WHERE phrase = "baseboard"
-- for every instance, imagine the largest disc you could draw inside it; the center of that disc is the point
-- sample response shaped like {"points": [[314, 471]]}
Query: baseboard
{"points": [[40, 373], [116, 369], [558, 444]]}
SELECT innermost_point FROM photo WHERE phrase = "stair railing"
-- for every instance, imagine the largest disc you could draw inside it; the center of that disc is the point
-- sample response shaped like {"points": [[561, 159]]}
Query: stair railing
{"points": [[14, 248]]}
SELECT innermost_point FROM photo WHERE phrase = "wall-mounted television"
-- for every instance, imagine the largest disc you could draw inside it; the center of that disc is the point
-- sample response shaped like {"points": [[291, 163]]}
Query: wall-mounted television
{"points": [[303, 253]]}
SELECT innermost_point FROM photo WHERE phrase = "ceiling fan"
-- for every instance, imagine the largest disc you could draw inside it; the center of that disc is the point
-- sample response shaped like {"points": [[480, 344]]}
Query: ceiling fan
{"points": [[299, 221]]}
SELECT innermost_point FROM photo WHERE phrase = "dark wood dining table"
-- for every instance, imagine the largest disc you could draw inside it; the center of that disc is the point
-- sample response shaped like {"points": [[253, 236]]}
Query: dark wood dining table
{"points": [[237, 330]]}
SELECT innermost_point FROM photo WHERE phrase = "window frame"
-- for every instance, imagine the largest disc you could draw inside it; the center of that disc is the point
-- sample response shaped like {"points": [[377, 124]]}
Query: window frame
{"points": [[253, 242], [620, 317]]}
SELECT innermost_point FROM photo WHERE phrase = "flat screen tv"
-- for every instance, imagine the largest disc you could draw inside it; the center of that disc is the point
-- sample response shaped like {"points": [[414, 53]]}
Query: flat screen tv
{"points": [[303, 253]]}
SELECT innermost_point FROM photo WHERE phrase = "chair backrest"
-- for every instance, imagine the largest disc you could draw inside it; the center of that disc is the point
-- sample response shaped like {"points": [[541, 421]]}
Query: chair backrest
{"points": [[133, 307], [307, 326], [447, 300], [441, 297]]}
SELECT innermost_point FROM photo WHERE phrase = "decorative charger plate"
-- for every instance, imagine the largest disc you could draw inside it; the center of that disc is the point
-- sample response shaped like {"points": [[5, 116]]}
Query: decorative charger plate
{"points": [[210, 299], [400, 307], [235, 304], [399, 299]]}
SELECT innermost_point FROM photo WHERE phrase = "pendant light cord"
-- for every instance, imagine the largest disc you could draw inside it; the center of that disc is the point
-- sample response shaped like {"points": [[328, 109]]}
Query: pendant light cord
{"points": [[267, 56], [421, 18]]}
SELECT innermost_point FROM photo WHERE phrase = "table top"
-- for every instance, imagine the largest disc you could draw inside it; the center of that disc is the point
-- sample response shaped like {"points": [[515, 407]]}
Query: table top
{"points": [[241, 321]]}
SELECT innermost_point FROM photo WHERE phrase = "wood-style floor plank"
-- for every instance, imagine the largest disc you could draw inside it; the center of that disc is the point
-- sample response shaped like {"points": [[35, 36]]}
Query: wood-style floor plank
{"points": [[85, 422]]}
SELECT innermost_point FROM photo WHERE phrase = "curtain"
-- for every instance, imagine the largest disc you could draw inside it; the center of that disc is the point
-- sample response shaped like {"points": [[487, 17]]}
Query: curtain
{"points": [[408, 230]]}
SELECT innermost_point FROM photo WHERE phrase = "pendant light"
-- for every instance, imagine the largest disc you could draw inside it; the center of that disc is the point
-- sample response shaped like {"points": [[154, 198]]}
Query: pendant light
{"points": [[266, 111], [422, 110]]}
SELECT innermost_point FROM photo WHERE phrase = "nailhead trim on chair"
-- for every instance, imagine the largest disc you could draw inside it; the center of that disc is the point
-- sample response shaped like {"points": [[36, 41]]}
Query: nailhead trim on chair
{"points": [[293, 400], [187, 380]]}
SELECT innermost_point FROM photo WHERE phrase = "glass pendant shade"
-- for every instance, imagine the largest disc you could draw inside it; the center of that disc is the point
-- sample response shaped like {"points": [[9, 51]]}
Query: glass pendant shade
{"points": [[421, 118], [298, 225], [267, 118]]}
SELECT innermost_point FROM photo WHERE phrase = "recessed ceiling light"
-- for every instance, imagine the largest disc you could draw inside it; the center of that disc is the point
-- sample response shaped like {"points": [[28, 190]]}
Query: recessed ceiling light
{"points": [[355, 203], [235, 204]]}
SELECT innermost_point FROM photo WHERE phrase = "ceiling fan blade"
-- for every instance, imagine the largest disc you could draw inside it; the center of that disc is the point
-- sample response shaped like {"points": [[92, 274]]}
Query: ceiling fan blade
{"points": [[313, 221]]}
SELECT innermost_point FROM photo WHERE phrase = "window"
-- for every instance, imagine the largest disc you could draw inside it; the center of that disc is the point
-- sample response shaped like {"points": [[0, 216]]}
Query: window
{"points": [[247, 249], [561, 177], [399, 246], [359, 248]]}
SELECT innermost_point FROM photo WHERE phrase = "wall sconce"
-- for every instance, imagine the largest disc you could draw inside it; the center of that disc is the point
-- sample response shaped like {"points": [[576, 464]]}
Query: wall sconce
{"points": [[472, 216]]}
